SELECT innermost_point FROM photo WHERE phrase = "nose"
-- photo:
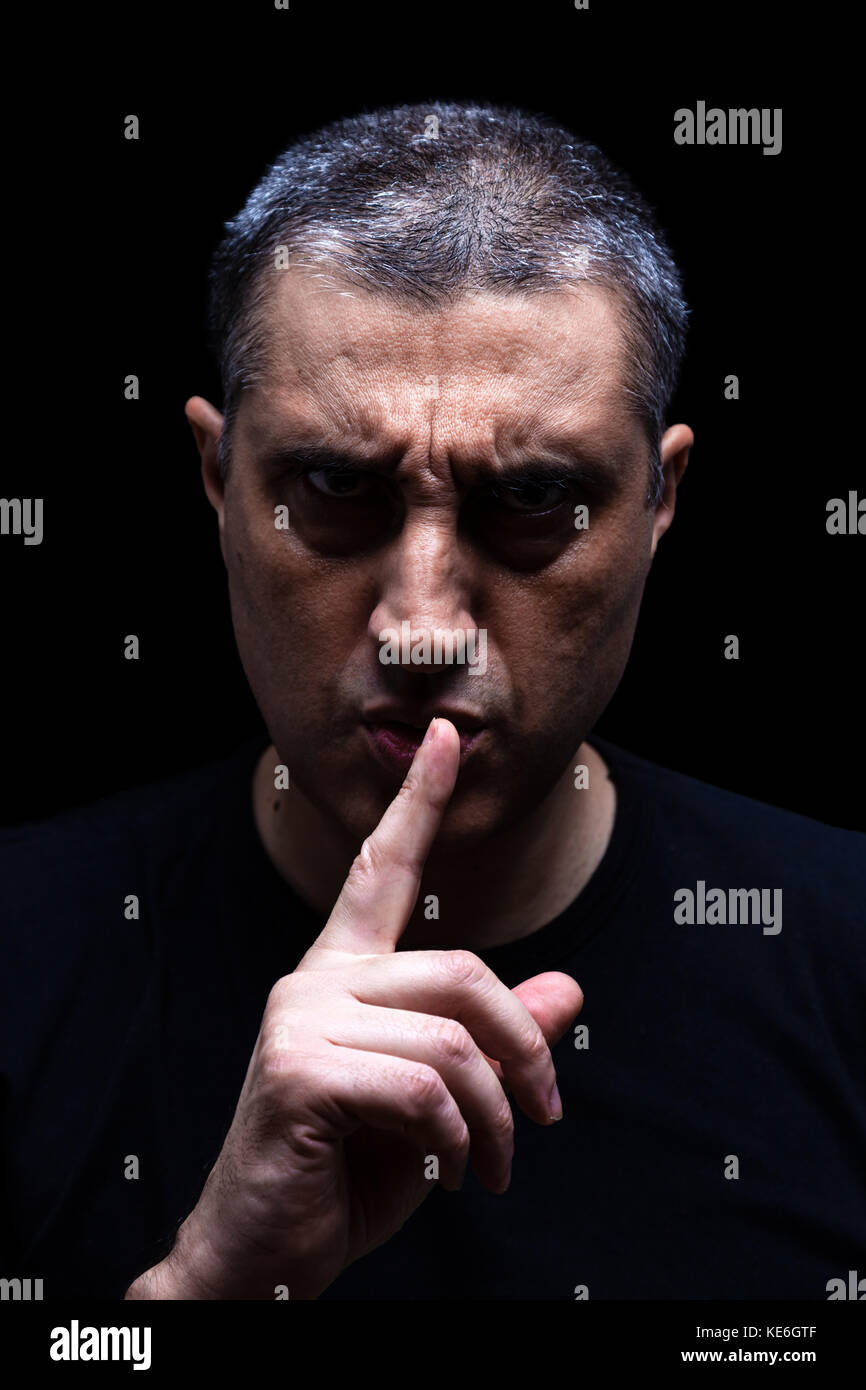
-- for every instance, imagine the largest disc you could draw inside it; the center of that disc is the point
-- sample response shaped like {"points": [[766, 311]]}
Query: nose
{"points": [[422, 620]]}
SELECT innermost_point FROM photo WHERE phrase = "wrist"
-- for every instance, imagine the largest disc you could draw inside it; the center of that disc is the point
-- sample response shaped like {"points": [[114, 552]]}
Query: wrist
{"points": [[173, 1277], [155, 1283], [192, 1271]]}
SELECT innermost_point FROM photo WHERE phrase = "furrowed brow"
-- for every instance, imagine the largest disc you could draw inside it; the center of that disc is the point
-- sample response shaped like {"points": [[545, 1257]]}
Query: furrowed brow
{"points": [[309, 456], [579, 464], [576, 465]]}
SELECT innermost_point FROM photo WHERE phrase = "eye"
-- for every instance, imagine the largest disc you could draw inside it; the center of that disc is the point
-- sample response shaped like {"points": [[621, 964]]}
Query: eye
{"points": [[532, 496], [338, 482]]}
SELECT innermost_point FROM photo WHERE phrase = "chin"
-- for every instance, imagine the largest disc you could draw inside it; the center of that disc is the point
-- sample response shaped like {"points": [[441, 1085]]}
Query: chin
{"points": [[466, 820]]}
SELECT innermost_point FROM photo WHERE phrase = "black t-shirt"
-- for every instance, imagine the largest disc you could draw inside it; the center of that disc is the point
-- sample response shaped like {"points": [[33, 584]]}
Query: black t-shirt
{"points": [[714, 1129]]}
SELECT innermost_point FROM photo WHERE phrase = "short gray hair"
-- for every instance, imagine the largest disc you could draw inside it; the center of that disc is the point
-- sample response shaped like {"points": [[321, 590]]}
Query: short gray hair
{"points": [[423, 202]]}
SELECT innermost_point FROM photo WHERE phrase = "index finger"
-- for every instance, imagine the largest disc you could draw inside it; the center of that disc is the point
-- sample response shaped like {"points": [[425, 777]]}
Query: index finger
{"points": [[377, 899]]}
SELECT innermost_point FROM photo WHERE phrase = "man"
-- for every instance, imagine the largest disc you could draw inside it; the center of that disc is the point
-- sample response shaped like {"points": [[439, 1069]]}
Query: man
{"points": [[310, 1023]]}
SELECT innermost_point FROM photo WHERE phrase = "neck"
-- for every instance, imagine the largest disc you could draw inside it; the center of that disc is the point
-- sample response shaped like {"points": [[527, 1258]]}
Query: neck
{"points": [[510, 886]]}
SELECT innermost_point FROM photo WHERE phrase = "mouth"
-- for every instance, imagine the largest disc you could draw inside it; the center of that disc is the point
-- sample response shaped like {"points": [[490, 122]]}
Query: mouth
{"points": [[395, 743]]}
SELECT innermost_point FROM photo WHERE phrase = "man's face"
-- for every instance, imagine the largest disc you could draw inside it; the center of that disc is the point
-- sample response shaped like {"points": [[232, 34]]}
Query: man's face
{"points": [[452, 408]]}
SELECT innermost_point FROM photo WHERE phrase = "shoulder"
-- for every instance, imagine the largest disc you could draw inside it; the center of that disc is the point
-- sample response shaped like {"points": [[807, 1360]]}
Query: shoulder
{"points": [[802, 880], [66, 876], [688, 813], [699, 838], [128, 817], [88, 897]]}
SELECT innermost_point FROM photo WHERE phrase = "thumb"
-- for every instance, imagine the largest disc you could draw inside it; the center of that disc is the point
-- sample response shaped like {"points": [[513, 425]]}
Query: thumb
{"points": [[554, 1000]]}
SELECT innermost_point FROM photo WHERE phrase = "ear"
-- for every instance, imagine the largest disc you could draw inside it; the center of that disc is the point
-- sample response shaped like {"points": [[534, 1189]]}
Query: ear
{"points": [[674, 451], [207, 426]]}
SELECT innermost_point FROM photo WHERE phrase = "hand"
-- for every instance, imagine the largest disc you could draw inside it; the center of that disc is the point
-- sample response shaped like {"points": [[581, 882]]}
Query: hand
{"points": [[369, 1064]]}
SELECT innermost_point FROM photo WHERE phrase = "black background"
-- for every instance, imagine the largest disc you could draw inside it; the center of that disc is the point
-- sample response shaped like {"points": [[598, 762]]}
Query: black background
{"points": [[109, 263]]}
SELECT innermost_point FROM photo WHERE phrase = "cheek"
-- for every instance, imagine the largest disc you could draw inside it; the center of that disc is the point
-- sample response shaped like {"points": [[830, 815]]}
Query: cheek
{"points": [[582, 619], [292, 616]]}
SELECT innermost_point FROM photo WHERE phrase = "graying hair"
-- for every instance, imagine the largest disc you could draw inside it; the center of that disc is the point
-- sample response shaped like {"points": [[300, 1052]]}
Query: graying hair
{"points": [[423, 202]]}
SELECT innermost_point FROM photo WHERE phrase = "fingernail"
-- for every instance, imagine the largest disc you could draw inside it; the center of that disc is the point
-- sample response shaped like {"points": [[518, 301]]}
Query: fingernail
{"points": [[555, 1104], [430, 734]]}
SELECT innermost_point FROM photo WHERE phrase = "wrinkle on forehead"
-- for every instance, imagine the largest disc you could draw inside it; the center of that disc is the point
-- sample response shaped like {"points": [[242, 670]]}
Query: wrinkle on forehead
{"points": [[488, 370]]}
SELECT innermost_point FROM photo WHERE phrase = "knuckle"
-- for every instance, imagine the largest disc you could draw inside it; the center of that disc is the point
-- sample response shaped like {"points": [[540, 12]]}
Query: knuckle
{"points": [[502, 1124], [278, 1066], [461, 1143], [375, 859], [462, 967], [285, 1083], [535, 1048], [368, 860], [452, 1041], [424, 1087], [278, 993], [409, 787], [284, 1053], [413, 789]]}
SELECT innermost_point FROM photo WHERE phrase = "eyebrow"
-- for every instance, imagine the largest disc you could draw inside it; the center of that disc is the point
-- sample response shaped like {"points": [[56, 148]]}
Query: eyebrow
{"points": [[578, 463], [321, 456]]}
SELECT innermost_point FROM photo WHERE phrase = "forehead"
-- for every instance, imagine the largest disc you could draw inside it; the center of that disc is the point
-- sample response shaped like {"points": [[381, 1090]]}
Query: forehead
{"points": [[489, 366]]}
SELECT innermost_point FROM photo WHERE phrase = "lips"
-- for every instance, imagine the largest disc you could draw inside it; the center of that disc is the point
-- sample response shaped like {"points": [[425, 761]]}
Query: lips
{"points": [[396, 741], [465, 721]]}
